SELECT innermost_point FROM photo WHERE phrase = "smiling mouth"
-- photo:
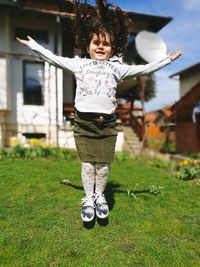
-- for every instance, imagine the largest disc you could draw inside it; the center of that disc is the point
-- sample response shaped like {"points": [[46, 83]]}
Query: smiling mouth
{"points": [[100, 53]]}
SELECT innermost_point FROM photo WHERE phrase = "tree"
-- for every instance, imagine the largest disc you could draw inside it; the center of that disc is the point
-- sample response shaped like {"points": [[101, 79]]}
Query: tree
{"points": [[134, 93]]}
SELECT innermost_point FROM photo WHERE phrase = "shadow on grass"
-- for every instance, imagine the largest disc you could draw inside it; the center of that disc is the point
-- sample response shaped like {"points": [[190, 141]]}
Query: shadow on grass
{"points": [[101, 222], [110, 191], [89, 225], [113, 188]]}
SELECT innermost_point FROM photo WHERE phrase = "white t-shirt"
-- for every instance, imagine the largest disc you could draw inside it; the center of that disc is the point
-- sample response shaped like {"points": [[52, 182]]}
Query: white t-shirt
{"points": [[97, 80]]}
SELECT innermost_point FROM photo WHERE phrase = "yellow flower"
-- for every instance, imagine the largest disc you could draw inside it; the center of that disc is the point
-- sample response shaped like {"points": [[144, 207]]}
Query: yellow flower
{"points": [[33, 142], [180, 164], [185, 162], [15, 142], [37, 142]]}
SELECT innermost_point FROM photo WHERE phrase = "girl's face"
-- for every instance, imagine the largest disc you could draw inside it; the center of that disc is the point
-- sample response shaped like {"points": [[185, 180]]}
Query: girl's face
{"points": [[100, 47]]}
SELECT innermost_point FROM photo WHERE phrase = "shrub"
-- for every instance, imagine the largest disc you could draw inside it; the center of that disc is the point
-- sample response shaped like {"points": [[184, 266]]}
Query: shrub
{"points": [[188, 170], [161, 144], [122, 156], [37, 151]]}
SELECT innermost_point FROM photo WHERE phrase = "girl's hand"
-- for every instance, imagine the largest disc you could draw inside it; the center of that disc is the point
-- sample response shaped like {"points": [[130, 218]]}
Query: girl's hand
{"points": [[174, 56], [24, 42]]}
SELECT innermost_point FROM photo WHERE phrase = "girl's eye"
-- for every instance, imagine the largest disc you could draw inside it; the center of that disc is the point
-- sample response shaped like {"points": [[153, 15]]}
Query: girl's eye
{"points": [[106, 44], [96, 42]]}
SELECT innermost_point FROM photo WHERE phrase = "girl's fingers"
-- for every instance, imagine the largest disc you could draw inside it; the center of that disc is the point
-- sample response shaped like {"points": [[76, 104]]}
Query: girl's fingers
{"points": [[25, 42], [29, 38], [20, 40], [175, 55]]}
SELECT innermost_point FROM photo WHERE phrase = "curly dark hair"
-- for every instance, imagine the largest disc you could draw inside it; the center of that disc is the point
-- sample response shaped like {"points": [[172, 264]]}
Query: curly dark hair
{"points": [[104, 18]]}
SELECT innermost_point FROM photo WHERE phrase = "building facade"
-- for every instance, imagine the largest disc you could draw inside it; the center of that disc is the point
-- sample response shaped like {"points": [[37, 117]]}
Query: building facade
{"points": [[36, 98], [187, 131]]}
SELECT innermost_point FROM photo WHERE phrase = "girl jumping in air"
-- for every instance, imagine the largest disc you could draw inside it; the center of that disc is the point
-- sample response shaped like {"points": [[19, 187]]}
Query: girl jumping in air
{"points": [[101, 33]]}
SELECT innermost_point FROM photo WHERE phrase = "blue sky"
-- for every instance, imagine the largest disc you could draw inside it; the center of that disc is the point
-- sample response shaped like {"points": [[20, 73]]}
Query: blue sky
{"points": [[183, 32]]}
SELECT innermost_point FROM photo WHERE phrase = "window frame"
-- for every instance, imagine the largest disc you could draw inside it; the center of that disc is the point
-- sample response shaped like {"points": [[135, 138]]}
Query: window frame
{"points": [[40, 35], [25, 101]]}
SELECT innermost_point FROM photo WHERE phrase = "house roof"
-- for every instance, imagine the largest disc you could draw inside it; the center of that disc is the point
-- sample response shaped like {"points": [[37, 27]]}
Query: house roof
{"points": [[187, 70], [153, 23], [52, 7], [65, 8], [183, 108], [166, 110], [157, 115], [151, 117]]}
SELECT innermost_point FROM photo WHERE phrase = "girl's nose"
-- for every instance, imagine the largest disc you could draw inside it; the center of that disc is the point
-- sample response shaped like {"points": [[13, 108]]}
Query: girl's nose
{"points": [[100, 45]]}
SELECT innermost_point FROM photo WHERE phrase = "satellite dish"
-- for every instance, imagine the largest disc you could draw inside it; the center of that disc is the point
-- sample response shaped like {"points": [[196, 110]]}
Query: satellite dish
{"points": [[150, 46]]}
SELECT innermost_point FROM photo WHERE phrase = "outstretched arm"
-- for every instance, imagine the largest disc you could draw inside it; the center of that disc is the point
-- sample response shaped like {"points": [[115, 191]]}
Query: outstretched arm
{"points": [[132, 71], [170, 57], [62, 62]]}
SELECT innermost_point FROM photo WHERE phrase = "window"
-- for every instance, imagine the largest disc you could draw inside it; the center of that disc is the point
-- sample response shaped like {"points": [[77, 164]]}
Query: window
{"points": [[34, 135], [41, 36], [33, 83]]}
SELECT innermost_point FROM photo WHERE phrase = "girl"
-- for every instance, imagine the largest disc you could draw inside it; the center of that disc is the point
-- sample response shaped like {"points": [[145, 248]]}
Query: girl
{"points": [[95, 101]]}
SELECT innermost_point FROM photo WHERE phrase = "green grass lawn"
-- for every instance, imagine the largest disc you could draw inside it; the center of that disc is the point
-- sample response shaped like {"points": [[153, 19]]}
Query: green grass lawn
{"points": [[41, 224]]}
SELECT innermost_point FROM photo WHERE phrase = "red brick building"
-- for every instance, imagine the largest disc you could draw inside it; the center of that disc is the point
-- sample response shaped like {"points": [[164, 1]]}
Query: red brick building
{"points": [[187, 132]]}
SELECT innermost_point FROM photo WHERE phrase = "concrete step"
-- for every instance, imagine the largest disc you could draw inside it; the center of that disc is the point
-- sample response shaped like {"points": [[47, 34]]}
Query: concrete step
{"points": [[132, 143]]}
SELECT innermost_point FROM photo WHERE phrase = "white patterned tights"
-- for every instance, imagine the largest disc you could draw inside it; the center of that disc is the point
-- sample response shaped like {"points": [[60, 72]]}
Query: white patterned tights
{"points": [[94, 177]]}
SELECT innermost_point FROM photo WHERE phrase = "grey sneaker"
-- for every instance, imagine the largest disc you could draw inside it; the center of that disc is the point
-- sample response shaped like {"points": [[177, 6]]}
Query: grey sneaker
{"points": [[87, 212], [102, 209]]}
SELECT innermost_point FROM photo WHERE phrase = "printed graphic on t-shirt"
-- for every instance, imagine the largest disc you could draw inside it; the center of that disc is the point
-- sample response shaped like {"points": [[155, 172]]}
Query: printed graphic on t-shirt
{"points": [[98, 78]]}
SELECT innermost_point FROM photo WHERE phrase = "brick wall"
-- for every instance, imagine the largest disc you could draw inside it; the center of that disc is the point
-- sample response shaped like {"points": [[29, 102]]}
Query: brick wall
{"points": [[187, 137]]}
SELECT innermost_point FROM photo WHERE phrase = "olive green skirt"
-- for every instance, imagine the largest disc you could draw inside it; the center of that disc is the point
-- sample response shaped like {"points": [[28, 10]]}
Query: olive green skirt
{"points": [[95, 136]]}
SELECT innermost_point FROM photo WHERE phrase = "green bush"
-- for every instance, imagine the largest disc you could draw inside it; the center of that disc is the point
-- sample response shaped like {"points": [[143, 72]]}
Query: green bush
{"points": [[3, 152], [161, 145], [162, 163], [37, 152], [122, 156], [188, 173], [192, 155], [188, 170], [155, 143]]}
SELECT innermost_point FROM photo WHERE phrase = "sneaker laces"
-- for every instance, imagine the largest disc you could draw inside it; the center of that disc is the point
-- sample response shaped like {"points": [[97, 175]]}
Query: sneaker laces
{"points": [[88, 201], [100, 199]]}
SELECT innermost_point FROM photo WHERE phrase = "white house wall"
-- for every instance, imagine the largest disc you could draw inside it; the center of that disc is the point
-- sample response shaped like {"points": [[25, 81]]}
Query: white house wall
{"points": [[33, 114], [3, 84], [4, 63], [34, 118], [189, 80], [19, 118]]}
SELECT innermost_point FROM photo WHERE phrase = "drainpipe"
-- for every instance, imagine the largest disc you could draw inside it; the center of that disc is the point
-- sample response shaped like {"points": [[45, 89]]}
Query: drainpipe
{"points": [[56, 52], [8, 75]]}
